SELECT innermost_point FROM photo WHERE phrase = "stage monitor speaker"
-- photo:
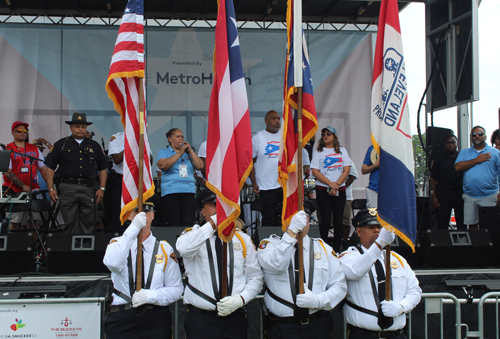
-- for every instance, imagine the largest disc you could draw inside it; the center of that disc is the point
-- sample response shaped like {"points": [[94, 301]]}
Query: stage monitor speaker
{"points": [[16, 253], [426, 214], [434, 140], [169, 234], [77, 253], [451, 249], [489, 218], [400, 247]]}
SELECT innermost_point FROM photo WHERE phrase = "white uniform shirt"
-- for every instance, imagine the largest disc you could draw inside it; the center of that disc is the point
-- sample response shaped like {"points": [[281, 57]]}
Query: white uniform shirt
{"points": [[348, 190], [329, 283], [166, 284], [266, 148], [405, 288], [116, 146], [330, 164], [248, 277]]}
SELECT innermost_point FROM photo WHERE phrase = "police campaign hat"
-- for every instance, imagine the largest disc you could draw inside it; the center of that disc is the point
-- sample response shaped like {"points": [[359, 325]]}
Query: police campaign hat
{"points": [[79, 118], [365, 217], [205, 197]]}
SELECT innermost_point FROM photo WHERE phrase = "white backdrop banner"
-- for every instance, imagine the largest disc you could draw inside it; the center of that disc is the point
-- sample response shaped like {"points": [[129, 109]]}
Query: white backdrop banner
{"points": [[49, 72]]}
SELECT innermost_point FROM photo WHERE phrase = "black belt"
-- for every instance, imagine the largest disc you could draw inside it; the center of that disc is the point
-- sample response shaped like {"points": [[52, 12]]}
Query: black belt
{"points": [[376, 334], [212, 312], [77, 181], [295, 320], [119, 308]]}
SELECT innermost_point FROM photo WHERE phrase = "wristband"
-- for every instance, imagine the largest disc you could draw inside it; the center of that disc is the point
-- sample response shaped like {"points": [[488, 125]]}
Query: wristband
{"points": [[51, 189], [103, 188]]}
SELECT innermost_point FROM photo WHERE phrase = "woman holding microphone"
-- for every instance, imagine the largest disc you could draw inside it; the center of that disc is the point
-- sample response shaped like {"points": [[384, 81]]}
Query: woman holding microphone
{"points": [[177, 180], [330, 165]]}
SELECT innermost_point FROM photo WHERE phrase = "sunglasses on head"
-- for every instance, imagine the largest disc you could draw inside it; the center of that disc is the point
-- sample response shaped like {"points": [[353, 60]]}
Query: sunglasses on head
{"points": [[20, 130], [480, 134], [324, 134]]}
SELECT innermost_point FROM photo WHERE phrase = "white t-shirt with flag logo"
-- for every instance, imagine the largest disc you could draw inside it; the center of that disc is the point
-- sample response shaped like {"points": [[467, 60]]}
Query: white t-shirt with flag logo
{"points": [[330, 164], [266, 148]]}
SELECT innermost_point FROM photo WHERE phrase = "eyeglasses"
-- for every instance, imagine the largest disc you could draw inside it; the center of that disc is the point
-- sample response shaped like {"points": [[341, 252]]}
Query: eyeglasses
{"points": [[20, 130], [324, 134], [479, 134]]}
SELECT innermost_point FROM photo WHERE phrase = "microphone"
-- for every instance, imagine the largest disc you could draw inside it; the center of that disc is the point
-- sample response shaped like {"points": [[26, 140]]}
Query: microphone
{"points": [[92, 134], [187, 149]]}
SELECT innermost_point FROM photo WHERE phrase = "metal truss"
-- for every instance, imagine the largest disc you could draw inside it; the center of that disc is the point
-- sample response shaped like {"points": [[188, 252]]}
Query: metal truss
{"points": [[44, 19]]}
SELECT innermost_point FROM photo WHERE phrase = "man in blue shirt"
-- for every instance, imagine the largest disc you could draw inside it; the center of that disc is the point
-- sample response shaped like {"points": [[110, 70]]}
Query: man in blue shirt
{"points": [[481, 166], [370, 165]]}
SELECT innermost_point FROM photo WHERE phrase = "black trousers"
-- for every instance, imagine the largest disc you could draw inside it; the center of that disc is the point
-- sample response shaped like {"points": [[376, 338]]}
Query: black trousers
{"points": [[270, 200], [155, 324], [449, 200], [200, 325], [329, 204], [319, 328], [116, 205], [179, 208]]}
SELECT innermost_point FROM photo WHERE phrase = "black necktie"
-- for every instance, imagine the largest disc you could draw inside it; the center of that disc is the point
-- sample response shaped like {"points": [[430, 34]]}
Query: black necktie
{"points": [[381, 280], [218, 252], [301, 313], [142, 281], [383, 321]]}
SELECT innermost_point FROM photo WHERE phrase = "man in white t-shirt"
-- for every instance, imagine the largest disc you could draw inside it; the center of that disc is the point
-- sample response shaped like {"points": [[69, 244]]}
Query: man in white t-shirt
{"points": [[264, 175]]}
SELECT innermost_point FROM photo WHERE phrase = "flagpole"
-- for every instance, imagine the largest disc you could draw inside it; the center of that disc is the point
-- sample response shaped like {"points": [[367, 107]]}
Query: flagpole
{"points": [[298, 83], [139, 268], [388, 280]]}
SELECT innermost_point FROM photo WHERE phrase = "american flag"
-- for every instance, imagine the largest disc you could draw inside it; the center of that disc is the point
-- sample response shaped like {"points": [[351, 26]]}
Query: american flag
{"points": [[125, 73], [391, 135], [229, 143], [289, 138]]}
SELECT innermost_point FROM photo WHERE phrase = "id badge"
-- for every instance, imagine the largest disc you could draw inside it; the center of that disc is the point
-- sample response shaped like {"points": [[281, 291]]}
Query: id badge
{"points": [[25, 170], [183, 171]]}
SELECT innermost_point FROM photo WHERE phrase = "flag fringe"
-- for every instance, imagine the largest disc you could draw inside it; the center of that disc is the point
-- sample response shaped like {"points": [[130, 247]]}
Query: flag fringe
{"points": [[400, 234], [128, 208]]}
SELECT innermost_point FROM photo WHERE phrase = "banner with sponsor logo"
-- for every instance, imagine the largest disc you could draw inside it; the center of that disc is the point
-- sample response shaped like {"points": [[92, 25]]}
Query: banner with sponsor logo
{"points": [[50, 320], [49, 72]]}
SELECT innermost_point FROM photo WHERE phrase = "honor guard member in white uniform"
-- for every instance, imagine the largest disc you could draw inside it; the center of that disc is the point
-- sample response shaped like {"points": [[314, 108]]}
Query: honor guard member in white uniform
{"points": [[161, 280], [208, 316], [367, 313], [294, 315]]}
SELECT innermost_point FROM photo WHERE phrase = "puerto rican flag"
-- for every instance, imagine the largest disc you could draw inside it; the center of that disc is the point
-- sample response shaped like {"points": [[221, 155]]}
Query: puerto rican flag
{"points": [[125, 73], [332, 160], [390, 125], [272, 148], [229, 143], [287, 167]]}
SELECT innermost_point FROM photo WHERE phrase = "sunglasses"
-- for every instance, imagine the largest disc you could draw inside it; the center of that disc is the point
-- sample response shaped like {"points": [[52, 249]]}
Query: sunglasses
{"points": [[479, 134], [20, 130], [324, 134]]}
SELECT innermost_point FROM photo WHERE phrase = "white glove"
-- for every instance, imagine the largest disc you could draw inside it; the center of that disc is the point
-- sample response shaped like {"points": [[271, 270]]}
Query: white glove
{"points": [[391, 308], [228, 305], [385, 238], [139, 221], [308, 299], [140, 298], [298, 222]]}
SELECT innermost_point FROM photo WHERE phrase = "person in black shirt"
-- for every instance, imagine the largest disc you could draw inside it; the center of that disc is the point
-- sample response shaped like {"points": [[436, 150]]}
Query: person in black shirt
{"points": [[77, 160], [446, 185]]}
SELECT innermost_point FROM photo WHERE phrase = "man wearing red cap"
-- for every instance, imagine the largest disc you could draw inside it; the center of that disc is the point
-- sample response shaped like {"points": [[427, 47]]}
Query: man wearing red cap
{"points": [[21, 177]]}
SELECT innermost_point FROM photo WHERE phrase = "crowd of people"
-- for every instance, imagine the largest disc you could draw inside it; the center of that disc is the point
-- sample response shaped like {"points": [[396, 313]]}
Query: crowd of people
{"points": [[76, 172]]}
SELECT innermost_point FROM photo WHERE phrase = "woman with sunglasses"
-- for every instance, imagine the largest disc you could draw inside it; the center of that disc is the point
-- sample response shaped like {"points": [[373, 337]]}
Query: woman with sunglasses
{"points": [[330, 165]]}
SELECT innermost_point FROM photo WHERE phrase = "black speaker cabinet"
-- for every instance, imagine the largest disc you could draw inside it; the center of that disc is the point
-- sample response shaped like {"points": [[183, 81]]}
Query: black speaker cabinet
{"points": [[77, 253], [451, 249], [16, 253], [400, 247], [489, 218]]}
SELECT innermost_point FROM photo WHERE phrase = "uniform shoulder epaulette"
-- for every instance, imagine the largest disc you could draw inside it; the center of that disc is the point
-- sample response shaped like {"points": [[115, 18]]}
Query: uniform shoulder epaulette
{"points": [[187, 229], [399, 259], [243, 245], [324, 248]]}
